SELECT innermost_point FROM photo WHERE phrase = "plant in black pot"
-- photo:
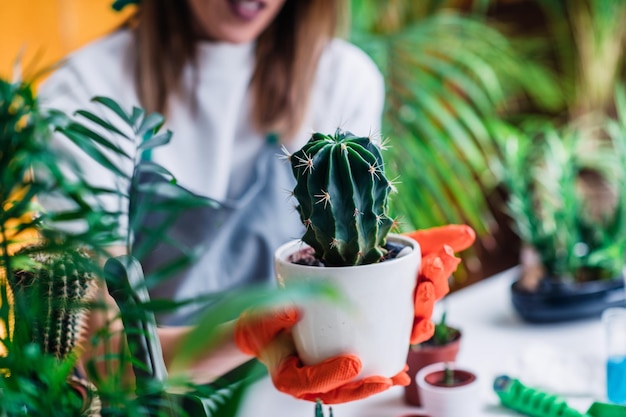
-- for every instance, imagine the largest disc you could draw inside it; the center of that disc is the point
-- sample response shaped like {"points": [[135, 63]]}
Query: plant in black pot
{"points": [[443, 346], [567, 201], [342, 195]]}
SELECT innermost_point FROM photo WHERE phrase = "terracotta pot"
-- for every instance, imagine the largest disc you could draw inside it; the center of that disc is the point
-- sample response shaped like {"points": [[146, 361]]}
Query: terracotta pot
{"points": [[422, 355], [461, 398], [374, 319]]}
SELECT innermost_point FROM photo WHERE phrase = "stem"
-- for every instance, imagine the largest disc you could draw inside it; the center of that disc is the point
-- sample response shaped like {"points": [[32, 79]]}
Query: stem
{"points": [[448, 375]]}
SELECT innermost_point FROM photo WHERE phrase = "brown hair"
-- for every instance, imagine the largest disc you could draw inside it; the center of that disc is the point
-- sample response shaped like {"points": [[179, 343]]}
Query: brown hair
{"points": [[287, 53]]}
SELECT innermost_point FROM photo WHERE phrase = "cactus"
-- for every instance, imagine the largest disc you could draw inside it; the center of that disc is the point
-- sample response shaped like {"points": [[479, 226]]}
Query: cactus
{"points": [[319, 410], [343, 195], [56, 288]]}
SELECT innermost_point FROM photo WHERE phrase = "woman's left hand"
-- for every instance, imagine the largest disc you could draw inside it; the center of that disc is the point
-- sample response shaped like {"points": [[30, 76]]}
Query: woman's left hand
{"points": [[267, 336]]}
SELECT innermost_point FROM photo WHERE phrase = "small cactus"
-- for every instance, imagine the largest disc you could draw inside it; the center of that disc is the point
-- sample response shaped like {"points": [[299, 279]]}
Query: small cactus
{"points": [[319, 410], [343, 195], [55, 288]]}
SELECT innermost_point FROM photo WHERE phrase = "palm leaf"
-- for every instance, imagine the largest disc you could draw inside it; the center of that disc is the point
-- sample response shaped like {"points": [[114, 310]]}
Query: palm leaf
{"points": [[447, 76]]}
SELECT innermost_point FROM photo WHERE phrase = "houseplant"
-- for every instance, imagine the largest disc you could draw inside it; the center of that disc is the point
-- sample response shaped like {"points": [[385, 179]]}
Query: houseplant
{"points": [[567, 188], [37, 254], [443, 346], [45, 276], [448, 390], [447, 72], [342, 195]]}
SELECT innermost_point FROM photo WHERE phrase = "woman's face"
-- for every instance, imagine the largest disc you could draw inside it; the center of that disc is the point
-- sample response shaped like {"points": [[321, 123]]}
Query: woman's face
{"points": [[234, 21]]}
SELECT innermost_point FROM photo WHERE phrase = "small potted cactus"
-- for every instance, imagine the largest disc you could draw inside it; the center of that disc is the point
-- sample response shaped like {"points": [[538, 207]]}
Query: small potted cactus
{"points": [[57, 287], [50, 292], [342, 195], [443, 346], [447, 390]]}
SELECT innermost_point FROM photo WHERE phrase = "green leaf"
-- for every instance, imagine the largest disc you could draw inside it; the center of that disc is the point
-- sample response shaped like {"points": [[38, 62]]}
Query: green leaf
{"points": [[205, 335], [86, 132], [115, 107], [100, 122], [150, 124], [155, 141], [83, 142], [136, 115]]}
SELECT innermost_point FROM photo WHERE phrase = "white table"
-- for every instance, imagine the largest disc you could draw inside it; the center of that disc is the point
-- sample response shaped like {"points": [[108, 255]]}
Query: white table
{"points": [[495, 341]]}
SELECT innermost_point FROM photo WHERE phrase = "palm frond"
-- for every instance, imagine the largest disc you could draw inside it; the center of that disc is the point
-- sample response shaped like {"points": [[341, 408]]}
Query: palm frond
{"points": [[446, 76]]}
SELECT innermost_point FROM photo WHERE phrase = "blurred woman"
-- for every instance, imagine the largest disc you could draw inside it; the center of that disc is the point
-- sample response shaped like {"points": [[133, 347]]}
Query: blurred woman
{"points": [[236, 80]]}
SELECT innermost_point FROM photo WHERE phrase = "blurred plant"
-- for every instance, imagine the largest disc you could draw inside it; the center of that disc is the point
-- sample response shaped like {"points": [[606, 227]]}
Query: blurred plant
{"points": [[42, 257], [568, 193], [587, 38], [447, 75], [319, 410], [36, 335], [444, 333]]}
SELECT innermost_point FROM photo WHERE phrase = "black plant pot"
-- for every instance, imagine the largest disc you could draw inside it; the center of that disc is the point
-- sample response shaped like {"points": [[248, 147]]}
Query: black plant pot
{"points": [[556, 301]]}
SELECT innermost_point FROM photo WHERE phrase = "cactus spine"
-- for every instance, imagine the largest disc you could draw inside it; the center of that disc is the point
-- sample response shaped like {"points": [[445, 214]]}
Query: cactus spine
{"points": [[56, 287], [342, 193]]}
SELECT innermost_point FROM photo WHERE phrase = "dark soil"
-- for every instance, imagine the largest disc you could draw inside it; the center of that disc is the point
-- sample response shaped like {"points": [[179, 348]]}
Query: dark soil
{"points": [[307, 257], [459, 378]]}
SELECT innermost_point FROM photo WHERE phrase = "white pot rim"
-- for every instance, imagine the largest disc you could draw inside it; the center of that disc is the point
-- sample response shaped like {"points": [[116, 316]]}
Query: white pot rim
{"points": [[288, 248], [420, 378]]}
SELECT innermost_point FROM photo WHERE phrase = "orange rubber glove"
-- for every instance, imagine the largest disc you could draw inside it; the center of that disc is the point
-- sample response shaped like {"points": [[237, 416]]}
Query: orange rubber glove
{"points": [[267, 335], [438, 246]]}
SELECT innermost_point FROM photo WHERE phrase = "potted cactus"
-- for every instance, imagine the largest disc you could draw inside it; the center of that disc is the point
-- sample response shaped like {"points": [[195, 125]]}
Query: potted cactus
{"points": [[447, 390], [57, 289], [342, 195], [443, 346]]}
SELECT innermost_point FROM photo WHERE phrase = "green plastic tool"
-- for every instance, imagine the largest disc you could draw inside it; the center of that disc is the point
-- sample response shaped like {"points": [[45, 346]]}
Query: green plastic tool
{"points": [[535, 403]]}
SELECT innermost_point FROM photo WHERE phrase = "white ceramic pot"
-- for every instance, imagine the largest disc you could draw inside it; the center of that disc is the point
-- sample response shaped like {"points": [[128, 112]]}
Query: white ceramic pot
{"points": [[448, 401], [376, 318]]}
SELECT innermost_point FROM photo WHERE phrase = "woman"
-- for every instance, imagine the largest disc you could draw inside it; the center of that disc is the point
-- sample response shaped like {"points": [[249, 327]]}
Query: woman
{"points": [[236, 79]]}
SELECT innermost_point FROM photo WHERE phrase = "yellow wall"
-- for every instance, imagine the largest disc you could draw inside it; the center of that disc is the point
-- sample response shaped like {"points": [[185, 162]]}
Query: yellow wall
{"points": [[51, 28]]}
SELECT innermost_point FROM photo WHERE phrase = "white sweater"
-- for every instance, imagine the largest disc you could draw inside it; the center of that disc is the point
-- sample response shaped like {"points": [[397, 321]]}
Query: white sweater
{"points": [[213, 149]]}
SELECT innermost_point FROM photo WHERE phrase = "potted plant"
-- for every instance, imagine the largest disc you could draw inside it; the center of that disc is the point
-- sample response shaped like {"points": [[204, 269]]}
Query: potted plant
{"points": [[342, 195], [48, 272], [447, 390], [567, 202], [443, 346], [47, 277]]}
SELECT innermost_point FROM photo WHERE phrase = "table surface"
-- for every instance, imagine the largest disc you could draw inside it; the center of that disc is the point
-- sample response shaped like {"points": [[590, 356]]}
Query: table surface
{"points": [[563, 358]]}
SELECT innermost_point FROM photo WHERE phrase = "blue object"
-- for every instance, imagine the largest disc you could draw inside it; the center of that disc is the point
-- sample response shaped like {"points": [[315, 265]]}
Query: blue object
{"points": [[616, 379]]}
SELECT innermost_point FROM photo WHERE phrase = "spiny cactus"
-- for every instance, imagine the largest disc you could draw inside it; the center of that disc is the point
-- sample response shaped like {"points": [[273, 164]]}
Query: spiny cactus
{"points": [[343, 195], [56, 288]]}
